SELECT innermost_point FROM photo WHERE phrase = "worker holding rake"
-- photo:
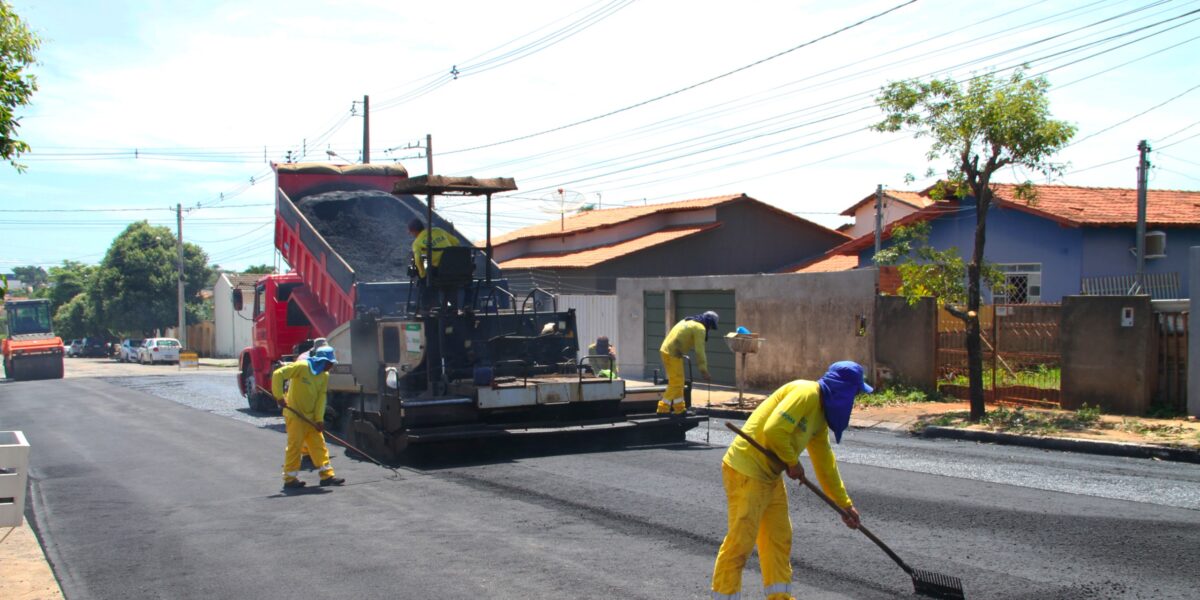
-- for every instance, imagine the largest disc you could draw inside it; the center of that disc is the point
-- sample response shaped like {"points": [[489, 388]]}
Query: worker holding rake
{"points": [[795, 417], [304, 414], [688, 335]]}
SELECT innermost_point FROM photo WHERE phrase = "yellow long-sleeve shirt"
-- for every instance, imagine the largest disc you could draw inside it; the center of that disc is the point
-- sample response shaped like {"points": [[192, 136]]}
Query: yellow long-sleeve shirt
{"points": [[789, 421], [441, 239], [306, 393], [685, 337]]}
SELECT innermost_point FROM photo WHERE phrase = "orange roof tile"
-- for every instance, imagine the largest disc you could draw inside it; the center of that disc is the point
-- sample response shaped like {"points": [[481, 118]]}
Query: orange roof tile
{"points": [[827, 263], [917, 200], [1091, 206], [593, 256], [595, 219]]}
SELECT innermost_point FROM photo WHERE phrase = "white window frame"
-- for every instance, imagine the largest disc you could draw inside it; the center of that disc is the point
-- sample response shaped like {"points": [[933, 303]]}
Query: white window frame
{"points": [[1033, 281]]}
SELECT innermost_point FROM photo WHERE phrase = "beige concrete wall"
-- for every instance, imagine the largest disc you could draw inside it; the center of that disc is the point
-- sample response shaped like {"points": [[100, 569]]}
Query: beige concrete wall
{"points": [[1106, 363], [808, 319], [906, 341]]}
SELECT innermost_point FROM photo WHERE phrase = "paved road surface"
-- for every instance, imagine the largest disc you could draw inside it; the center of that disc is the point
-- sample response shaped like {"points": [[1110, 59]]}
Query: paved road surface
{"points": [[145, 488]]}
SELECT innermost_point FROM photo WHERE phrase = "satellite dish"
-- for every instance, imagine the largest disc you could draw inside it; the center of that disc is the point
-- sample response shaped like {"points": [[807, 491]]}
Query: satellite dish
{"points": [[562, 202]]}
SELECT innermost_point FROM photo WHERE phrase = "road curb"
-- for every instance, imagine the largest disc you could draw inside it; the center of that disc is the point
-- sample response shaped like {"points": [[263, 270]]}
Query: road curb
{"points": [[1068, 444]]}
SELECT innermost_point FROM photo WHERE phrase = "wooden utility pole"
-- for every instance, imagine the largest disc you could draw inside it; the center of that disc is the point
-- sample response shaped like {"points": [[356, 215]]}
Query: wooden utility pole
{"points": [[1139, 280], [878, 220], [366, 129], [182, 332]]}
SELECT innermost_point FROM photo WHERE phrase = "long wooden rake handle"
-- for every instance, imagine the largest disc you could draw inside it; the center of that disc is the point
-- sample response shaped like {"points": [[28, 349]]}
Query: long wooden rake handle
{"points": [[816, 490], [335, 438]]}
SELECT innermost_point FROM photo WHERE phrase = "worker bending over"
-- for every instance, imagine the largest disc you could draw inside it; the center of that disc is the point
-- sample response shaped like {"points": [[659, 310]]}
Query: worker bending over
{"points": [[307, 382], [602, 358], [441, 240], [686, 336], [797, 416]]}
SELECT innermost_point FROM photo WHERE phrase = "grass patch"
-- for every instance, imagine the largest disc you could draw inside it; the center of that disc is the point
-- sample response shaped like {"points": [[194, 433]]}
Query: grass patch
{"points": [[1040, 376], [1021, 421], [1148, 429], [895, 395]]}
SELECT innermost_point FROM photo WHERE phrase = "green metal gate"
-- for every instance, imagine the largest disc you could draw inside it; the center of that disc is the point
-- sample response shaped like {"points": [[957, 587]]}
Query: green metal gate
{"points": [[654, 307], [720, 357]]}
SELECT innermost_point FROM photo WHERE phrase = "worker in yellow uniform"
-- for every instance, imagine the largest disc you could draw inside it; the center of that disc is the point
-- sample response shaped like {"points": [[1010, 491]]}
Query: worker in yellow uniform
{"points": [[441, 239], [796, 417], [307, 382], [686, 336]]}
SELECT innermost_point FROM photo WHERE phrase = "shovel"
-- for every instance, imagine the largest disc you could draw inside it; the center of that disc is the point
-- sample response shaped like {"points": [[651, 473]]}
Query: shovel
{"points": [[928, 583]]}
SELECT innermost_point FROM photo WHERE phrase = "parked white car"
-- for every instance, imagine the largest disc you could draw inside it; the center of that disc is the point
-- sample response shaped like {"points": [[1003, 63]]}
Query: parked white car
{"points": [[156, 350], [128, 351]]}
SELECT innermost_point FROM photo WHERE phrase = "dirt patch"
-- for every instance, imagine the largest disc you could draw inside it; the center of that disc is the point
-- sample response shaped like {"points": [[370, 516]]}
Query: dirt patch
{"points": [[369, 229], [1178, 432]]}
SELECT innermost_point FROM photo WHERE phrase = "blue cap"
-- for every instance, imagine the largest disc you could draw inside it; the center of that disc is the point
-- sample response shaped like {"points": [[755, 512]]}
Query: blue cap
{"points": [[318, 357], [839, 386]]}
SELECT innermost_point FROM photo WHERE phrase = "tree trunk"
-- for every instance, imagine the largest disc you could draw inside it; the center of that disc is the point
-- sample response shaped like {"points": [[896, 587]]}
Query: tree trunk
{"points": [[974, 269]]}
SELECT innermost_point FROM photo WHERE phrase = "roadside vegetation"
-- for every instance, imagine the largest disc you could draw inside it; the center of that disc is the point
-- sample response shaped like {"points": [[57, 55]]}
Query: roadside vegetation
{"points": [[899, 394], [1088, 420]]}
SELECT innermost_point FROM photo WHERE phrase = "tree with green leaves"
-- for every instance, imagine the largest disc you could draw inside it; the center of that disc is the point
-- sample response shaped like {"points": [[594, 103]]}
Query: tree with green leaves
{"points": [[135, 285], [69, 279], [32, 276], [263, 269], [75, 319], [18, 46], [987, 124]]}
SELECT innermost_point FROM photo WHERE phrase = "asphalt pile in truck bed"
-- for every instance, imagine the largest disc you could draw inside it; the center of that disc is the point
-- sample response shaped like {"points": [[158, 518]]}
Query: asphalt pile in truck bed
{"points": [[368, 229]]}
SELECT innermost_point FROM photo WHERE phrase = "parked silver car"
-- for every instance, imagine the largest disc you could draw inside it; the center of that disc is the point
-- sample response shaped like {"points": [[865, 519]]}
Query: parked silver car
{"points": [[128, 351]]}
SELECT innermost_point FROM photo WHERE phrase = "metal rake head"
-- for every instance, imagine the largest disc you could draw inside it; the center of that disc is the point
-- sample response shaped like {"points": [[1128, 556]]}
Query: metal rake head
{"points": [[936, 585]]}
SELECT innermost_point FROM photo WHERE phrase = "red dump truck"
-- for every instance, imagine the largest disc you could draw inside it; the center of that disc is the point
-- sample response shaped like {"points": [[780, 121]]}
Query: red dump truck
{"points": [[453, 356], [31, 350]]}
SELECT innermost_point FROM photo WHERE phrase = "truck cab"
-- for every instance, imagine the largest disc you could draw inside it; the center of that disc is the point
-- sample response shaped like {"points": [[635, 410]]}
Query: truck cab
{"points": [[280, 327]]}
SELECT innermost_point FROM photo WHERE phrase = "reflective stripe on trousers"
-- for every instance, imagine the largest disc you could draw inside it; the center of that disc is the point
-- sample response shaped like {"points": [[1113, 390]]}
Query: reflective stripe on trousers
{"points": [[778, 588], [758, 516]]}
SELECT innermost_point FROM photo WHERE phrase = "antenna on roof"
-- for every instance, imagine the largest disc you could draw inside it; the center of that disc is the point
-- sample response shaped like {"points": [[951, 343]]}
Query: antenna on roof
{"points": [[561, 202]]}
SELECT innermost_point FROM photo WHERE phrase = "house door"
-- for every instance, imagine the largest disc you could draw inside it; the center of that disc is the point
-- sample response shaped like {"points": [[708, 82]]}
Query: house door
{"points": [[720, 357], [654, 331]]}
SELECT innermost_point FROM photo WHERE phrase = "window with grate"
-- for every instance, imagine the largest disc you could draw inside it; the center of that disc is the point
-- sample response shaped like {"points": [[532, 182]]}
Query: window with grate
{"points": [[1023, 284]]}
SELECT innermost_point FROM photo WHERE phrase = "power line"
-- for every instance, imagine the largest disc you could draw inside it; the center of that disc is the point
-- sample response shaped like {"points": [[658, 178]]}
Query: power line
{"points": [[687, 88]]}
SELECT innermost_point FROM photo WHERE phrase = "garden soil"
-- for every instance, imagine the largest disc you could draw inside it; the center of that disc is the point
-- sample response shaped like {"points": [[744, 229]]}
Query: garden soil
{"points": [[369, 230]]}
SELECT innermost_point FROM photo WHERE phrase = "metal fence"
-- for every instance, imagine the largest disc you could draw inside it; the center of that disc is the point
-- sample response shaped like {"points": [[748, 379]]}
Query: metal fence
{"points": [[1022, 357], [1172, 363]]}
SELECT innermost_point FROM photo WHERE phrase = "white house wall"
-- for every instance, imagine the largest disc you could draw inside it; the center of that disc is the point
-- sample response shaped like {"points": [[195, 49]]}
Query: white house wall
{"points": [[594, 316], [233, 331]]}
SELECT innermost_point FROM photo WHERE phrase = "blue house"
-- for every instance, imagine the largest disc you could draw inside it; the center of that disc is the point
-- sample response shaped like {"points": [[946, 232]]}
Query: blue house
{"points": [[1068, 240]]}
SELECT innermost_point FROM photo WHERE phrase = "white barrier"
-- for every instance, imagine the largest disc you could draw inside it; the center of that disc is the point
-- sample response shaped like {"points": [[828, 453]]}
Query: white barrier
{"points": [[14, 469]]}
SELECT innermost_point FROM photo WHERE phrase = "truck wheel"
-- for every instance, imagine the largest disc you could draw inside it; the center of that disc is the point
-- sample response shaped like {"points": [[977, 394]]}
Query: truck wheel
{"points": [[256, 400]]}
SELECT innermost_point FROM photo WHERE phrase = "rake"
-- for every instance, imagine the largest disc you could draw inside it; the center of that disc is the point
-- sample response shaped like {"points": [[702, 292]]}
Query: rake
{"points": [[928, 583]]}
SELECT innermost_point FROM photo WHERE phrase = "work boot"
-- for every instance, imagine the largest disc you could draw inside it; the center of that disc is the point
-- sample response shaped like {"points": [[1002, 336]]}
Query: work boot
{"points": [[332, 481], [293, 484]]}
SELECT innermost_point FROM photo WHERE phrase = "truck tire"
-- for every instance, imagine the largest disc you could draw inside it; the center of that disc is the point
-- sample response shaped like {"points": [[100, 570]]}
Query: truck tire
{"points": [[256, 400]]}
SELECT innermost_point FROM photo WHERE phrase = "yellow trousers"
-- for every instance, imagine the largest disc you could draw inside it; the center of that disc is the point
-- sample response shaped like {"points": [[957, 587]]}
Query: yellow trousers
{"points": [[672, 399], [300, 434], [758, 515]]}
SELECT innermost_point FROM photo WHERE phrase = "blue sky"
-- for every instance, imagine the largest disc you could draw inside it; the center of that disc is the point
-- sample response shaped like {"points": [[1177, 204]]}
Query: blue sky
{"points": [[706, 99]]}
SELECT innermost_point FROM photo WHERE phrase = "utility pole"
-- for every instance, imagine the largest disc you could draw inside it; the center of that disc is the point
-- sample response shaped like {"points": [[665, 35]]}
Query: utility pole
{"points": [[1139, 281], [878, 220], [183, 341], [366, 129]]}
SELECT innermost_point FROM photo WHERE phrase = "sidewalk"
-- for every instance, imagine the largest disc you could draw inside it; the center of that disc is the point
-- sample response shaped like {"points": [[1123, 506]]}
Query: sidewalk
{"points": [[26, 574], [1113, 435]]}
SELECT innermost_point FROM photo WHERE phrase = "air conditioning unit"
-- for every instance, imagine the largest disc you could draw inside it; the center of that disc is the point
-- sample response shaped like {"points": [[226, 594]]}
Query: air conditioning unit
{"points": [[1156, 244]]}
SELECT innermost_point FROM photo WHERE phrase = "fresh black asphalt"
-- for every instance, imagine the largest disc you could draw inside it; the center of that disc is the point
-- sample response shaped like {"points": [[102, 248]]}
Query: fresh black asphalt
{"points": [[146, 489]]}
